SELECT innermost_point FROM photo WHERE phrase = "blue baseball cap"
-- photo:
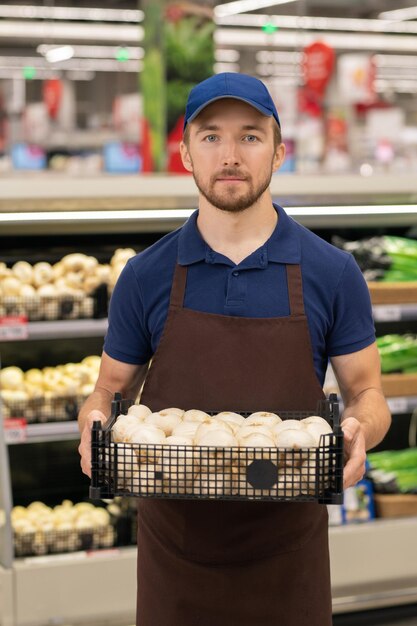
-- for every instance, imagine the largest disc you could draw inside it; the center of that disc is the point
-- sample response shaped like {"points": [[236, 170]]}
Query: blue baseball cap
{"points": [[230, 85]]}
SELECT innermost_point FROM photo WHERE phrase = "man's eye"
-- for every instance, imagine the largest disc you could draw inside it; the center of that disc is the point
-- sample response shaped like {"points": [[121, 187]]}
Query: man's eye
{"points": [[210, 138], [251, 138]]}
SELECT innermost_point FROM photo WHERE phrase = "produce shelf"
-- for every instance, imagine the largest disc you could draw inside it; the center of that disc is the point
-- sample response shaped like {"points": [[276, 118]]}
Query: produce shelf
{"points": [[161, 203], [37, 586], [368, 567], [60, 329], [395, 312], [402, 404], [38, 433], [393, 293], [401, 386]]}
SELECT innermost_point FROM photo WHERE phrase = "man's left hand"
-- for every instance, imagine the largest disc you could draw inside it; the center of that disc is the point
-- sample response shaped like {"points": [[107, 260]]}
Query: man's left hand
{"points": [[355, 451]]}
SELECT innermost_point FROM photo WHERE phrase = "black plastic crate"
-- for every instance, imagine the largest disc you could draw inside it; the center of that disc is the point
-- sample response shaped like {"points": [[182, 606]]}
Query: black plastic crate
{"points": [[63, 307], [200, 472], [41, 542], [41, 409]]}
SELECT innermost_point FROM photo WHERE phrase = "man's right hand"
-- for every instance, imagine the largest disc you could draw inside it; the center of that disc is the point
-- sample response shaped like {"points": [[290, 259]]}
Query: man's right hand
{"points": [[85, 445]]}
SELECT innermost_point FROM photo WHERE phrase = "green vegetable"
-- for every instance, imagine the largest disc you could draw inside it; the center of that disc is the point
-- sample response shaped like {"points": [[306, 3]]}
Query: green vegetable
{"points": [[398, 352], [394, 460]]}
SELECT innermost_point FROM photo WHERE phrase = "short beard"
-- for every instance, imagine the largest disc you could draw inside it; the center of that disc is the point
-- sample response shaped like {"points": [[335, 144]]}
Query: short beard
{"points": [[230, 201]]}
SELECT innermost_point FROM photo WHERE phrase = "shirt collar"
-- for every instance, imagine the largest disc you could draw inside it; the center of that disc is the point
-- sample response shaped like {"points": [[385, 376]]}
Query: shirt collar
{"points": [[283, 246]]}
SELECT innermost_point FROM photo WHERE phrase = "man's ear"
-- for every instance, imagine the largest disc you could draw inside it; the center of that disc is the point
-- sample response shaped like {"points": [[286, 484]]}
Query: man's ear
{"points": [[279, 157], [185, 157]]}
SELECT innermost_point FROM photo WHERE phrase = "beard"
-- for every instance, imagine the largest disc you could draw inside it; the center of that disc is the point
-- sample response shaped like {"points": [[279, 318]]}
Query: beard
{"points": [[231, 199]]}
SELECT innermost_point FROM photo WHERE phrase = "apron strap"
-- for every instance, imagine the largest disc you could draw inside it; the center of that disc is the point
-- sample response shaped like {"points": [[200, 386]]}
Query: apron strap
{"points": [[295, 289], [178, 286]]}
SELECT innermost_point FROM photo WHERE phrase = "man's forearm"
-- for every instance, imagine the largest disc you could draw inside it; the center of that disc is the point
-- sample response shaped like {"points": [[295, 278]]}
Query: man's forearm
{"points": [[99, 400], [372, 411]]}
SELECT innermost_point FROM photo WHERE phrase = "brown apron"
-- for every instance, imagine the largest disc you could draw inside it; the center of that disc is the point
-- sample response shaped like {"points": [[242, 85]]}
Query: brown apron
{"points": [[225, 563]]}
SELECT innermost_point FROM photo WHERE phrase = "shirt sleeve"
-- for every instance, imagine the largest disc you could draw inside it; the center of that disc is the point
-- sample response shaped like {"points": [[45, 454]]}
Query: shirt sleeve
{"points": [[127, 338], [353, 326]]}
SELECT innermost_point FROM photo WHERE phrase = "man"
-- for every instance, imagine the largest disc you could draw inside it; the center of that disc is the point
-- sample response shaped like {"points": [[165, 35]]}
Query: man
{"points": [[239, 310]]}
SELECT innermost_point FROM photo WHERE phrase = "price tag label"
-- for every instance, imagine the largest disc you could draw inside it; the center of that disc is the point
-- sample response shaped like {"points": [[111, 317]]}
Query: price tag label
{"points": [[398, 405], [14, 328], [387, 313], [15, 429]]}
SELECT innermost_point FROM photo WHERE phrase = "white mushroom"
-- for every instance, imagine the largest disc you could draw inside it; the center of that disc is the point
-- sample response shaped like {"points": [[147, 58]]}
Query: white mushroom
{"points": [[263, 418], [194, 415], [164, 420], [186, 429]]}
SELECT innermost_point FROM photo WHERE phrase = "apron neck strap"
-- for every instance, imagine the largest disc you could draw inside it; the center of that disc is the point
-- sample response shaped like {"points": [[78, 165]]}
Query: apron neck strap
{"points": [[178, 286], [295, 289], [294, 280]]}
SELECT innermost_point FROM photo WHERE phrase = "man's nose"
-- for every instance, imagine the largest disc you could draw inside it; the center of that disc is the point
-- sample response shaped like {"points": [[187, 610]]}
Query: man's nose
{"points": [[231, 154]]}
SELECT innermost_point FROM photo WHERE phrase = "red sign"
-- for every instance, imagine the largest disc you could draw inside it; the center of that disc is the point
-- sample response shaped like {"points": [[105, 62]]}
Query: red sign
{"points": [[173, 148], [15, 429], [52, 94], [13, 328], [318, 66]]}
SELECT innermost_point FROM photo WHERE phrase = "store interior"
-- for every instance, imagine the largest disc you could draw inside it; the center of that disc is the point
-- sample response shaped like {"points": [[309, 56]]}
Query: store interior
{"points": [[83, 189]]}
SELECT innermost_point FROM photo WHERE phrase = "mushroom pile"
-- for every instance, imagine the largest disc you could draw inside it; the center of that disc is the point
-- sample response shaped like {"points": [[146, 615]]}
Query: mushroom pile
{"points": [[191, 452], [39, 529], [44, 394], [44, 292]]}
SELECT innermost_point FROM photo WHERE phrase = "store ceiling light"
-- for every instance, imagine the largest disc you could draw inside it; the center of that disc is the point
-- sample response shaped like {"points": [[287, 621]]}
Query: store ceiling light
{"points": [[60, 53], [395, 60], [295, 22], [87, 65], [241, 6], [409, 13], [340, 41], [64, 31], [70, 13], [183, 214], [96, 52]]}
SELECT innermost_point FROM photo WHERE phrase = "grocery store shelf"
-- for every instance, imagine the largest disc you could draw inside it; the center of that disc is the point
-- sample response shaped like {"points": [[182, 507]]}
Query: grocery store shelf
{"points": [[404, 404], [381, 578], [62, 329], [41, 587], [394, 312], [49, 431], [368, 565], [143, 203]]}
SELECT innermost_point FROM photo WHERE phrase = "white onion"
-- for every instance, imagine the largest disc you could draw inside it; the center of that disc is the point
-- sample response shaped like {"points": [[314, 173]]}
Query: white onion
{"points": [[165, 421], [139, 410]]}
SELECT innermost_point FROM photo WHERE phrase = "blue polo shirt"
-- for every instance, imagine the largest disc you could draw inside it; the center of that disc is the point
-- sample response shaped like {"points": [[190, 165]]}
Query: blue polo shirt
{"points": [[336, 298]]}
